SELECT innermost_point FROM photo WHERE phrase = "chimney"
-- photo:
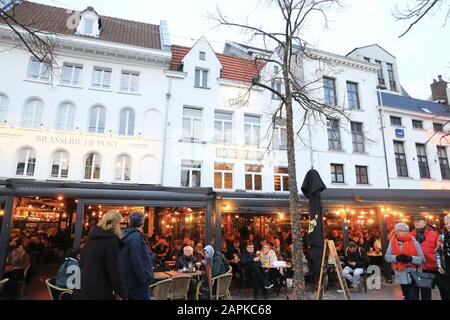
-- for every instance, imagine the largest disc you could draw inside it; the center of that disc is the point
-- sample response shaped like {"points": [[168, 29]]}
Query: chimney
{"points": [[439, 90]]}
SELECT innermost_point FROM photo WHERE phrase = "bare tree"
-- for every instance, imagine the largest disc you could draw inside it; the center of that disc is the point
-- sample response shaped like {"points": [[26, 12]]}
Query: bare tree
{"points": [[418, 9], [39, 43], [293, 92]]}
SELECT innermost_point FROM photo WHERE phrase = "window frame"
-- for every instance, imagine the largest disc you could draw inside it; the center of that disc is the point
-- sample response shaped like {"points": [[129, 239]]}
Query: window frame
{"points": [[280, 126], [75, 78], [201, 78], [42, 75], [59, 164], [28, 163], [37, 114], [336, 175], [103, 71], [96, 162], [121, 164], [422, 161], [393, 118], [192, 121], [334, 135], [190, 167], [223, 173], [4, 108], [357, 145], [360, 175], [281, 177], [129, 122], [352, 95], [414, 122], [401, 161], [127, 77], [443, 162], [254, 129], [223, 127], [438, 127], [252, 175], [326, 90], [98, 120], [68, 125]]}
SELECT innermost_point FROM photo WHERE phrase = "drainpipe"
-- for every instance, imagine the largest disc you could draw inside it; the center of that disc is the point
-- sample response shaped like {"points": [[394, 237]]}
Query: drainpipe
{"points": [[166, 121], [380, 98]]}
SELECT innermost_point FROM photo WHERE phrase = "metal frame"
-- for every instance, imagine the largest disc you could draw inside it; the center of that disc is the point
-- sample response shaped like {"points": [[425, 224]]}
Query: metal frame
{"points": [[4, 235]]}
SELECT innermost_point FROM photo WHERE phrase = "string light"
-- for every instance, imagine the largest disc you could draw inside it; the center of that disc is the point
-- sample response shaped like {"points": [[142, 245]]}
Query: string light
{"points": [[60, 198]]}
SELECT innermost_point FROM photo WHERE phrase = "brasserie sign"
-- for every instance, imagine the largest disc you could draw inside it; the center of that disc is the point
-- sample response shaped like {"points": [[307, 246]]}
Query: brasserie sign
{"points": [[77, 141], [239, 154]]}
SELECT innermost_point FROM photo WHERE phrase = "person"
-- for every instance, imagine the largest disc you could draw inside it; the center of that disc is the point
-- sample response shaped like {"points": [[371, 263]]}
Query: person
{"points": [[429, 241], [218, 267], [176, 251], [405, 254], [72, 260], [135, 262], [443, 257], [355, 261], [267, 256], [16, 263], [250, 264], [186, 260], [100, 270], [279, 250], [198, 252]]}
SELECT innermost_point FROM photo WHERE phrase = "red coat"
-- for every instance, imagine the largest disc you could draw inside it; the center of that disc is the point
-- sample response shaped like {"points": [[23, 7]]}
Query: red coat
{"points": [[429, 247]]}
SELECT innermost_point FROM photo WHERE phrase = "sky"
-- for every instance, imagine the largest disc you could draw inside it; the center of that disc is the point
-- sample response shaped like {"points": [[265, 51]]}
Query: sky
{"points": [[422, 55]]}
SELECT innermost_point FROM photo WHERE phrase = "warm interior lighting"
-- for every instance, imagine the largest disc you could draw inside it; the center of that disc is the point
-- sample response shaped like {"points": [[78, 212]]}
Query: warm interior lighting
{"points": [[2, 213], [60, 198], [93, 214], [372, 212], [371, 221]]}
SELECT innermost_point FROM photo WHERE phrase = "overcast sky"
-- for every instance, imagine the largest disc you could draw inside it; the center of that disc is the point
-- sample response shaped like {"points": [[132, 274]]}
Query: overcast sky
{"points": [[421, 55]]}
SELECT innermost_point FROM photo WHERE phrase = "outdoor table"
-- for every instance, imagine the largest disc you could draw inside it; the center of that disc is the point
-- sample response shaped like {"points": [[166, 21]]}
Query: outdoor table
{"points": [[286, 266], [375, 258], [161, 276]]}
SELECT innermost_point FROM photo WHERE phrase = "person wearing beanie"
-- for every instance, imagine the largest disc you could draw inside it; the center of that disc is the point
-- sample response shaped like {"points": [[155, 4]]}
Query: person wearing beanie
{"points": [[218, 267], [135, 262], [429, 241]]}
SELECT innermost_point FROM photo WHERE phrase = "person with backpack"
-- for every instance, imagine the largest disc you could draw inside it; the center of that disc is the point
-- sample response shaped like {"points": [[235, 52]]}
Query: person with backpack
{"points": [[72, 260], [135, 262]]}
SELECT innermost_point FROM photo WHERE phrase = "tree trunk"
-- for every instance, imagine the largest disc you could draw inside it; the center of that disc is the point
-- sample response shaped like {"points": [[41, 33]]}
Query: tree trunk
{"points": [[294, 200]]}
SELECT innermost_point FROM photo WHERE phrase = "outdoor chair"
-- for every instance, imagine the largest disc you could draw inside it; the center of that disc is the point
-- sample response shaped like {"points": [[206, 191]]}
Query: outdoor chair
{"points": [[57, 293], [161, 289], [180, 287], [221, 286]]}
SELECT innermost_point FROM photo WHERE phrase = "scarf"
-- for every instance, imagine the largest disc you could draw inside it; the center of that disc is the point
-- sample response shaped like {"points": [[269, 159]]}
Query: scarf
{"points": [[420, 235], [408, 248]]}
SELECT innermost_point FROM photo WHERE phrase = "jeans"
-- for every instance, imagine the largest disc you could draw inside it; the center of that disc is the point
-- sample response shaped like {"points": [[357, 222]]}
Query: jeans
{"points": [[353, 276], [440, 281], [410, 291]]}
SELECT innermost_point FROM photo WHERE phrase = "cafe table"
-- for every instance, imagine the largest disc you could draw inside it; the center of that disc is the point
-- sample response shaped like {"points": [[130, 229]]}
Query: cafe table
{"points": [[170, 274], [278, 267]]}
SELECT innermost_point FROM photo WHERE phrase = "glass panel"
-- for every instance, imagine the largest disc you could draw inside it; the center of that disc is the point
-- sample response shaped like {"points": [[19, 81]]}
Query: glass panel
{"points": [[192, 112], [205, 78], [277, 183], [196, 178], [66, 74], [130, 122], [184, 178], [248, 182], [228, 181], [197, 77], [258, 182], [124, 81], [218, 180], [106, 79], [197, 132], [285, 183], [34, 69]]}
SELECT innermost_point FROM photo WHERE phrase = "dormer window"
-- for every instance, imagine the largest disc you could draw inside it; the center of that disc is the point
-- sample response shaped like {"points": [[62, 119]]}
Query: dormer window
{"points": [[90, 23]]}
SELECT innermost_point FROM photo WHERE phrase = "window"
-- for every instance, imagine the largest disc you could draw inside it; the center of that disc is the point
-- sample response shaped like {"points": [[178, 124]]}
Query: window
{"points": [[192, 124], [417, 124], [281, 179], [366, 59], [426, 110], [223, 176], [253, 177], [280, 134], [362, 176], [353, 95], [358, 137], [38, 70], [97, 120], [65, 120], [88, 27], [400, 159], [329, 87], [381, 81], [443, 162], [202, 55], [101, 78], [201, 78], [390, 69], [71, 74], [337, 173], [396, 121], [423, 160], [123, 168], [223, 127], [33, 112], [191, 173], [26, 163], [252, 126], [92, 167], [334, 134], [3, 109], [129, 81], [276, 83], [126, 125], [60, 165], [438, 127]]}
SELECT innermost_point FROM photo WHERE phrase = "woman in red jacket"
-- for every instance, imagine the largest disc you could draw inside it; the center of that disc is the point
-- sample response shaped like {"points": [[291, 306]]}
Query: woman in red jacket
{"points": [[429, 241]]}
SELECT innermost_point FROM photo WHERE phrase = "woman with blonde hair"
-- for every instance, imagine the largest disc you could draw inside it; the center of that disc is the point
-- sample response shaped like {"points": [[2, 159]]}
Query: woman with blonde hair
{"points": [[100, 271]]}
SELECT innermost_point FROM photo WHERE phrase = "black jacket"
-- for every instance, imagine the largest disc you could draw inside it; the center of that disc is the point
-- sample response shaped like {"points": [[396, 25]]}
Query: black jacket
{"points": [[135, 263], [183, 262], [247, 259], [100, 271], [359, 256]]}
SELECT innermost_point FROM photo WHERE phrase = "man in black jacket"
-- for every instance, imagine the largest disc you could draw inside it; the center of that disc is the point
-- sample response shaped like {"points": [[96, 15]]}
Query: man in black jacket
{"points": [[250, 263], [135, 262], [355, 261]]}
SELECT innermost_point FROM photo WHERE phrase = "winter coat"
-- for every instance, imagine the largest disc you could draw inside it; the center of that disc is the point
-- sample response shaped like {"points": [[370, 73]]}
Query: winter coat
{"points": [[268, 259], [359, 257], [183, 262], [429, 246], [100, 271], [135, 263], [247, 259], [442, 253], [403, 277], [63, 273]]}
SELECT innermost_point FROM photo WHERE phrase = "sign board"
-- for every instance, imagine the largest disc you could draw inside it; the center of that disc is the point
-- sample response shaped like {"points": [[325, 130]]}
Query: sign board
{"points": [[239, 154], [399, 133], [330, 255]]}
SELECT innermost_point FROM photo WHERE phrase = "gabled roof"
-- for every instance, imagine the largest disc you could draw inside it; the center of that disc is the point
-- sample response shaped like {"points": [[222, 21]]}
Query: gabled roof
{"points": [[377, 45], [51, 19], [237, 69], [414, 105]]}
